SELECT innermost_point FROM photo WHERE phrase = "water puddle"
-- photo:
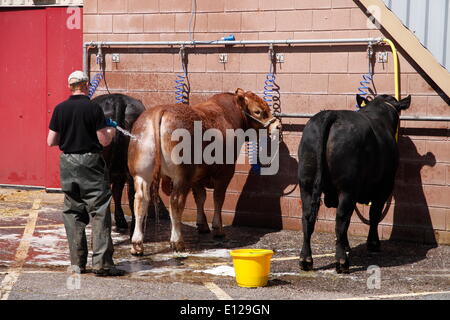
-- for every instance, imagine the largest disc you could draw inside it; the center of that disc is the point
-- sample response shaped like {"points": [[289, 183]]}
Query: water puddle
{"points": [[203, 261], [219, 271]]}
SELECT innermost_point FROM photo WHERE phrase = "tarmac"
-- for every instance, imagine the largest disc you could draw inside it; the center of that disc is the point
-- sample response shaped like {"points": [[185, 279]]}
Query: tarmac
{"points": [[34, 259]]}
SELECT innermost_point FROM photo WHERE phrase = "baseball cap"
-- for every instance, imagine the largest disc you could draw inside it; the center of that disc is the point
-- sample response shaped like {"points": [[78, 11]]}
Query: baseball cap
{"points": [[77, 76]]}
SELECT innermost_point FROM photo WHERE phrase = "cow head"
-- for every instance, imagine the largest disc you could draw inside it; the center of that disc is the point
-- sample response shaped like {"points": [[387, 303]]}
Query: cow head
{"points": [[257, 111], [386, 100]]}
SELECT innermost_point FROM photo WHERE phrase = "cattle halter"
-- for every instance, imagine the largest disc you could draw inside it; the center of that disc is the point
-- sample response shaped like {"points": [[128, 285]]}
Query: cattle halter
{"points": [[391, 105], [264, 124]]}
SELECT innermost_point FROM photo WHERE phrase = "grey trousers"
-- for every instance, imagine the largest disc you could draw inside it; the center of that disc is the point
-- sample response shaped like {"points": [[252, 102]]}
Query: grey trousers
{"points": [[85, 183]]}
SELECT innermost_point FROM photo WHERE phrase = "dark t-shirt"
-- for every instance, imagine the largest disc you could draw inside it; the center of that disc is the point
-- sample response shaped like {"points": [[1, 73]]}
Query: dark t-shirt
{"points": [[77, 121]]}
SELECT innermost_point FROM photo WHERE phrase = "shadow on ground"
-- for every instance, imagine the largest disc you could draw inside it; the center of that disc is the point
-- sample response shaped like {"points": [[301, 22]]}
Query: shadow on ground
{"points": [[158, 232], [393, 254]]}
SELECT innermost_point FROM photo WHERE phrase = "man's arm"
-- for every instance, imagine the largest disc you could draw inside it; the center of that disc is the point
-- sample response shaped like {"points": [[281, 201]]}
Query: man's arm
{"points": [[106, 135], [52, 138]]}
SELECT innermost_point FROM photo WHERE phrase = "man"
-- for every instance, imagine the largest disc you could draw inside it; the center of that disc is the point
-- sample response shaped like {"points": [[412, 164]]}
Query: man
{"points": [[78, 126]]}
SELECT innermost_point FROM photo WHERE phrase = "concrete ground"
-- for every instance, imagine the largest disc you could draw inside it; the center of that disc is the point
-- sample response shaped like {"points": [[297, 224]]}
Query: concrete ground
{"points": [[34, 258]]}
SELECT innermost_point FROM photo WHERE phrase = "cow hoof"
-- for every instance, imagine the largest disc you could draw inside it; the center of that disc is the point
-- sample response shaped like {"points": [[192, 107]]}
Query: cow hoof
{"points": [[343, 267], [137, 250], [202, 229], [177, 246], [306, 265]]}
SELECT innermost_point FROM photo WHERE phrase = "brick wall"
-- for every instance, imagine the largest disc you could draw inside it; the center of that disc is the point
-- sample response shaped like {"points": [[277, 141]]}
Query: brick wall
{"points": [[312, 78]]}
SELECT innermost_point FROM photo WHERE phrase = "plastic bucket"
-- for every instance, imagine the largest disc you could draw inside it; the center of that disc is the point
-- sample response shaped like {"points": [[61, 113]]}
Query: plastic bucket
{"points": [[251, 266]]}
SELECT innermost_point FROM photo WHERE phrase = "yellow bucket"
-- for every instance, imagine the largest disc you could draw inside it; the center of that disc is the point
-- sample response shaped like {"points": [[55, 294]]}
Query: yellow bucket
{"points": [[251, 266]]}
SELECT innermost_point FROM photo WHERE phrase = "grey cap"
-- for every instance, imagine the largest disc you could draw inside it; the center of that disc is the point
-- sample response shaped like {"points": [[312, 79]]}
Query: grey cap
{"points": [[77, 76]]}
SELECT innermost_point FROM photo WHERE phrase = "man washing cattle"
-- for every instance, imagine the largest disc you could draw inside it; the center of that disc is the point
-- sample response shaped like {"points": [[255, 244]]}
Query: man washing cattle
{"points": [[351, 157], [80, 129]]}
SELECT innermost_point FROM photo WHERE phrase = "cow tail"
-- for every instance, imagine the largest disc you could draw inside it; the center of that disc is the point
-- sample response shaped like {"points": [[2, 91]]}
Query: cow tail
{"points": [[328, 119], [154, 186], [120, 112], [119, 117]]}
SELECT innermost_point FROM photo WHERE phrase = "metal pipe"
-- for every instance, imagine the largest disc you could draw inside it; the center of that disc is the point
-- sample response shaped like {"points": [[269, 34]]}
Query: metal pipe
{"points": [[232, 42], [409, 118], [21, 186], [86, 45], [292, 115], [85, 57], [417, 118]]}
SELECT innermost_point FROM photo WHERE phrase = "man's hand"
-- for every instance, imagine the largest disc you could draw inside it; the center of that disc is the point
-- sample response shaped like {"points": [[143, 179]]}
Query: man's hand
{"points": [[106, 135], [111, 123]]}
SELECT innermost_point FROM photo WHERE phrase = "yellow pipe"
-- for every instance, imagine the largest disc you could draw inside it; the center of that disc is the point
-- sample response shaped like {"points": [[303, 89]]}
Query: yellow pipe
{"points": [[396, 81], [396, 77], [396, 73]]}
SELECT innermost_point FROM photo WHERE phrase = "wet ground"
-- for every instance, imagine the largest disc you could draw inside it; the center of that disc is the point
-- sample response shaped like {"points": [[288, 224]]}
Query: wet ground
{"points": [[34, 258]]}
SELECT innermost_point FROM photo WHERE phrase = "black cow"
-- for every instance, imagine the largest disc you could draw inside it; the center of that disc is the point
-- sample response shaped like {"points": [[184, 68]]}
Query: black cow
{"points": [[351, 157], [124, 110]]}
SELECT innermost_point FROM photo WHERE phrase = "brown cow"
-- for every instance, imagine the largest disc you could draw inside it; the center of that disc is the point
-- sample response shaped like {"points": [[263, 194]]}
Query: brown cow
{"points": [[150, 157]]}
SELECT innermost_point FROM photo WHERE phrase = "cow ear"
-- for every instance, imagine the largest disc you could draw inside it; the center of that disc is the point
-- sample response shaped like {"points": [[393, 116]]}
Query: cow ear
{"points": [[241, 99], [404, 103], [239, 92], [361, 101]]}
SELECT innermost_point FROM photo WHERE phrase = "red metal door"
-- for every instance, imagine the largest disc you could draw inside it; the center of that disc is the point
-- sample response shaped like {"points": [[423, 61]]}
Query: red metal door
{"points": [[64, 55], [40, 48], [22, 98]]}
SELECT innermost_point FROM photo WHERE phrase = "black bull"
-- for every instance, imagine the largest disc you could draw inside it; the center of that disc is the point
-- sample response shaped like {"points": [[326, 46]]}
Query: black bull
{"points": [[351, 157], [124, 110]]}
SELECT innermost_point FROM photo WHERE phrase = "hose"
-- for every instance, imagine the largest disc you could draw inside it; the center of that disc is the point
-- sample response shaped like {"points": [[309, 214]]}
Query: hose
{"points": [[363, 90], [99, 76], [396, 70], [364, 87], [252, 151], [270, 95], [181, 95], [272, 89], [269, 85], [182, 81], [95, 83], [396, 77]]}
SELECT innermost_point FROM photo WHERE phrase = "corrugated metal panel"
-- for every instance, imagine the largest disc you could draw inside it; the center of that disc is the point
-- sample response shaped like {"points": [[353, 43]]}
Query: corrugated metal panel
{"points": [[429, 21]]}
